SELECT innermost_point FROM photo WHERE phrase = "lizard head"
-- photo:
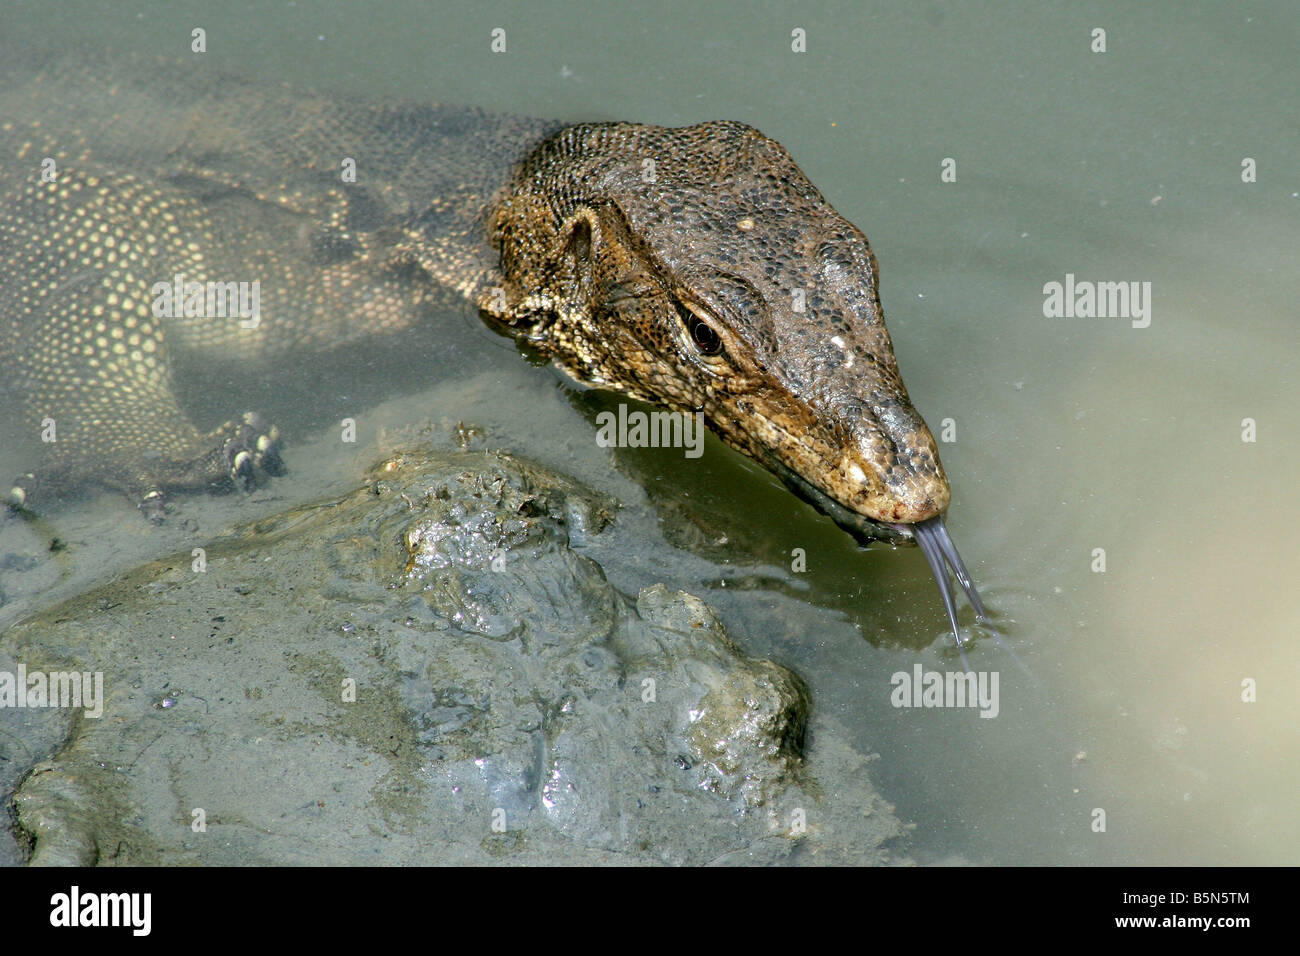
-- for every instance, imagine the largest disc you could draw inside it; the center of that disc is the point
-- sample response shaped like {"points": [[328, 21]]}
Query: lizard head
{"points": [[698, 268]]}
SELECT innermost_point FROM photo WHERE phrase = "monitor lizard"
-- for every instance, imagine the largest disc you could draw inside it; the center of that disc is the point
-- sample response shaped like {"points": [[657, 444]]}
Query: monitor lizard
{"points": [[695, 268]]}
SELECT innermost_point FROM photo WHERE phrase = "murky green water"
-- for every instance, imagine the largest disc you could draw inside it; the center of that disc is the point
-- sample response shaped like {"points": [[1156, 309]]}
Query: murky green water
{"points": [[1071, 434]]}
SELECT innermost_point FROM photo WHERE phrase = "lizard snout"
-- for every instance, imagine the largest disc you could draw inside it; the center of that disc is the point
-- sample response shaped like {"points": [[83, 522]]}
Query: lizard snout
{"points": [[892, 457]]}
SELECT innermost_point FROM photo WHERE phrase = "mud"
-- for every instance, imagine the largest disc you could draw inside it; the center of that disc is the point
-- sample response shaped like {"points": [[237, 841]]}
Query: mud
{"points": [[425, 670]]}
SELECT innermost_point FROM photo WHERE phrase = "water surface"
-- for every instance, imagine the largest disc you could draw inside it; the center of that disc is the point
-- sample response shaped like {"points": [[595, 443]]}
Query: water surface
{"points": [[1071, 435]]}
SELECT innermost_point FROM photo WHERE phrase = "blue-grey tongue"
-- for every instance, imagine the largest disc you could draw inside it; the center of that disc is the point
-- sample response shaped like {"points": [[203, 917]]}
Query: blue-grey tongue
{"points": [[940, 553]]}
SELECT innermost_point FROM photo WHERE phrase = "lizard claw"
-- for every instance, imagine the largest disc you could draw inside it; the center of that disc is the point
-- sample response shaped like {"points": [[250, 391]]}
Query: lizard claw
{"points": [[16, 499], [267, 456]]}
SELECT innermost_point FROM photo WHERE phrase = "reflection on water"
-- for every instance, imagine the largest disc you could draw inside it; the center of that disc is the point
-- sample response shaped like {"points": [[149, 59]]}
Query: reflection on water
{"points": [[1076, 439]]}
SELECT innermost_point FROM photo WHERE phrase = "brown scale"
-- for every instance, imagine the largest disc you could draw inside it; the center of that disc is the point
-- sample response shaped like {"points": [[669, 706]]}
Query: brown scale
{"points": [[696, 268], [723, 238]]}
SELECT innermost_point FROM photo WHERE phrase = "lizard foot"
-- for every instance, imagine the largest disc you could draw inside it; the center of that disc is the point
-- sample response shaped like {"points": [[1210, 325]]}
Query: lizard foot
{"points": [[243, 453], [252, 451], [154, 506]]}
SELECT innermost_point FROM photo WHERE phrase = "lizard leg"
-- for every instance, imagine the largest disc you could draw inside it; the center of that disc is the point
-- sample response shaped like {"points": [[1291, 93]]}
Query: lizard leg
{"points": [[87, 355], [145, 451], [97, 386]]}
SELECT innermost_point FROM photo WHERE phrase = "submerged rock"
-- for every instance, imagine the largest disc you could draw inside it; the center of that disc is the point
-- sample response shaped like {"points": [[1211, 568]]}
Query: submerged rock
{"points": [[425, 671]]}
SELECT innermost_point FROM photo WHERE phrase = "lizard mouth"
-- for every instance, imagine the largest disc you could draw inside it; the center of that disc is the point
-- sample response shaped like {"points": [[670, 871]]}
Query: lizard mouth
{"points": [[864, 530]]}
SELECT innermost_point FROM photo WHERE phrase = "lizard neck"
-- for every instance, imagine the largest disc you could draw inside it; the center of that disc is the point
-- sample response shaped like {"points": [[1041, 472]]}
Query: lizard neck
{"points": [[448, 230]]}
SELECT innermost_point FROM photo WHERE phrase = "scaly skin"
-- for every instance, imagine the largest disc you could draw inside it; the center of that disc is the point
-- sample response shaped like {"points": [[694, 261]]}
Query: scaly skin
{"points": [[695, 268], [620, 279]]}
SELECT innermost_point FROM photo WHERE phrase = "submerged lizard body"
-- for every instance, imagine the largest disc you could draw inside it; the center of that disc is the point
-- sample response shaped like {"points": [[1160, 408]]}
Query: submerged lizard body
{"points": [[695, 268]]}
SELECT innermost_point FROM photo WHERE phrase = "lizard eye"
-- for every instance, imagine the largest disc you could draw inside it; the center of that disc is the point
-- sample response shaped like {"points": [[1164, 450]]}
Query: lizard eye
{"points": [[703, 337]]}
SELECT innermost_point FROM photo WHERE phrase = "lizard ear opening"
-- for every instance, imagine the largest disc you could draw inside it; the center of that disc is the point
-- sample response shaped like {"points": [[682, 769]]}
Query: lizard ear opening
{"points": [[580, 240], [581, 236]]}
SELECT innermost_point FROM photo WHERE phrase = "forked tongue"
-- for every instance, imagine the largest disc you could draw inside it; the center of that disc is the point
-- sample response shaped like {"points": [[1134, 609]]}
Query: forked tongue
{"points": [[940, 553]]}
